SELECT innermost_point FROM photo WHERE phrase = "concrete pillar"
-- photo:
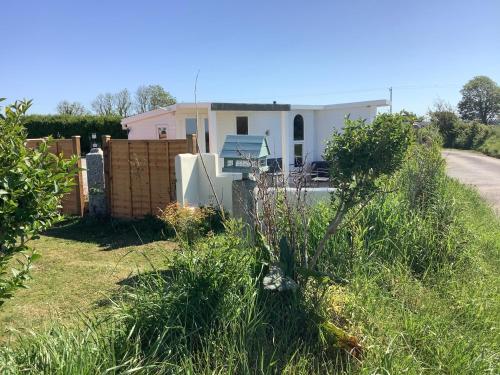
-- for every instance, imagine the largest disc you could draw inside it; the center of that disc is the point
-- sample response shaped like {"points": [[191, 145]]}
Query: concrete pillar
{"points": [[212, 131], [285, 153], [244, 206], [96, 184]]}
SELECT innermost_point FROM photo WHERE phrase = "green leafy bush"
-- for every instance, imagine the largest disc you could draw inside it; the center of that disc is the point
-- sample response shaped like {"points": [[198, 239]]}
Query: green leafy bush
{"points": [[491, 145], [32, 183], [66, 126], [470, 135]]}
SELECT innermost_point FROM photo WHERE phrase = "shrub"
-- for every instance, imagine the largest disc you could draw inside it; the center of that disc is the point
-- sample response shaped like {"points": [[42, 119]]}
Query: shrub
{"points": [[65, 126], [32, 183], [470, 135], [191, 223], [360, 156]]}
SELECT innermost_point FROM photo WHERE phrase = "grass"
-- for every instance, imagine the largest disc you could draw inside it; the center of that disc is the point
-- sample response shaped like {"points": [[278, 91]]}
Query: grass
{"points": [[491, 146], [83, 263], [421, 296]]}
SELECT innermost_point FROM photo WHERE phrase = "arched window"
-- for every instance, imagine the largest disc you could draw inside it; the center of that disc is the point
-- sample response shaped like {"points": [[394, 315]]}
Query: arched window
{"points": [[298, 128]]}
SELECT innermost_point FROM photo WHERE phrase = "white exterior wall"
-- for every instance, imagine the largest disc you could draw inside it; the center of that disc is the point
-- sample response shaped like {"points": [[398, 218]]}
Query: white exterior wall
{"points": [[258, 123], [147, 128], [329, 119], [318, 126], [180, 121], [193, 187]]}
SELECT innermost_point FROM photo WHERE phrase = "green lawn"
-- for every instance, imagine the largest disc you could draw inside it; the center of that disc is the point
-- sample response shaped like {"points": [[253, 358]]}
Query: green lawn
{"points": [[83, 264]]}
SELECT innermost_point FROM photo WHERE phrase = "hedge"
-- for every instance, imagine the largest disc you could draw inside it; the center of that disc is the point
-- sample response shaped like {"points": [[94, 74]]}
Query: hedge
{"points": [[64, 126]]}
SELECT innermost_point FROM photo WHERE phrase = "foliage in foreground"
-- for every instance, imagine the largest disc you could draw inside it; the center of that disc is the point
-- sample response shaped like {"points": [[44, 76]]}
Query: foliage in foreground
{"points": [[32, 183], [421, 266]]}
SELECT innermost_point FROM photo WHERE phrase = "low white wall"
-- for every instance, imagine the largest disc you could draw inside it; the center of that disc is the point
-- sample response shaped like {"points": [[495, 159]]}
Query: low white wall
{"points": [[193, 186]]}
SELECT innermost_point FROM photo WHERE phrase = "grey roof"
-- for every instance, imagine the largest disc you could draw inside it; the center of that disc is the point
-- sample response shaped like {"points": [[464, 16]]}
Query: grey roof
{"points": [[245, 146], [249, 107]]}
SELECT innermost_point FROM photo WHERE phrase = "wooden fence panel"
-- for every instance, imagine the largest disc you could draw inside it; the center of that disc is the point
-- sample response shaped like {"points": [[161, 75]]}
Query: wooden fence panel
{"points": [[72, 203], [141, 174], [159, 175], [119, 178]]}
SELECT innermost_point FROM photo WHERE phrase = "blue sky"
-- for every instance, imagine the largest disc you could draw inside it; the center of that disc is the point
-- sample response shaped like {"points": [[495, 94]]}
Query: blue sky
{"points": [[299, 52]]}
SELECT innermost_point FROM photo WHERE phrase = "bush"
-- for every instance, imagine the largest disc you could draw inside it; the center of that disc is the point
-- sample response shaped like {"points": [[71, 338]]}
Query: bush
{"points": [[491, 145], [32, 183], [65, 126], [470, 135]]}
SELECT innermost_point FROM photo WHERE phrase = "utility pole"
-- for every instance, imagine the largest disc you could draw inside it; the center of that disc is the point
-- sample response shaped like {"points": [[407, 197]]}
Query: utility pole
{"points": [[390, 98]]}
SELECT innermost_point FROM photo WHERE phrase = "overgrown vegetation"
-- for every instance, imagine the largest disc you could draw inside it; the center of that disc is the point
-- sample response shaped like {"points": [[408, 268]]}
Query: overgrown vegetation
{"points": [[419, 266], [66, 126], [491, 146], [32, 183], [457, 133]]}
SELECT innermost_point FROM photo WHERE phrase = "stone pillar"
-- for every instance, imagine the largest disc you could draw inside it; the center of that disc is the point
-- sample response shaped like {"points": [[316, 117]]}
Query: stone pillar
{"points": [[95, 181], [243, 202]]}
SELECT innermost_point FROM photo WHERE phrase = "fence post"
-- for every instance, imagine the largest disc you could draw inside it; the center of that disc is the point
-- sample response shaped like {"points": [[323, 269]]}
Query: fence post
{"points": [[191, 144], [95, 181], [80, 199], [105, 143]]}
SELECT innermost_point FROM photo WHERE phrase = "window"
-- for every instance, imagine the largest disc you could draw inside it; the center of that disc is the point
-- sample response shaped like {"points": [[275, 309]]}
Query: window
{"points": [[242, 125], [298, 128], [297, 154], [207, 137], [191, 126], [162, 132]]}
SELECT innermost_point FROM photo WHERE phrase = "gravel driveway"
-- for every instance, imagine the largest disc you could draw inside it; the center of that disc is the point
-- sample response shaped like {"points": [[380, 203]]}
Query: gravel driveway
{"points": [[478, 170]]}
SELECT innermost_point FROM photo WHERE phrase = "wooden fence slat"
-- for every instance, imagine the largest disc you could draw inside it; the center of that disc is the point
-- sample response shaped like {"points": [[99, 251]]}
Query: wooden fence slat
{"points": [[141, 174], [72, 203]]}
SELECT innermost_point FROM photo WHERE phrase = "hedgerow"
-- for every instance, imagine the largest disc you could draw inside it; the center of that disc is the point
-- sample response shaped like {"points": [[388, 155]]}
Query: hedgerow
{"points": [[64, 126]]}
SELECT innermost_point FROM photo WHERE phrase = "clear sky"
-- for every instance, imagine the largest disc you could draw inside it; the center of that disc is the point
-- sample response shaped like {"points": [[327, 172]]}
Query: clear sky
{"points": [[298, 52]]}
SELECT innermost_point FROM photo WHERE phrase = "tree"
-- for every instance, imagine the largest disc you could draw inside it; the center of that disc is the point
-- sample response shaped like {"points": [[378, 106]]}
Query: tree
{"points": [[122, 103], [443, 116], [480, 100], [73, 109], [103, 104], [359, 156], [32, 183], [152, 97]]}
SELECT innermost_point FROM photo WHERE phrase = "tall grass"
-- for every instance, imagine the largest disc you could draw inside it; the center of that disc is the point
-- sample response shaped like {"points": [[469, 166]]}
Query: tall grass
{"points": [[420, 265]]}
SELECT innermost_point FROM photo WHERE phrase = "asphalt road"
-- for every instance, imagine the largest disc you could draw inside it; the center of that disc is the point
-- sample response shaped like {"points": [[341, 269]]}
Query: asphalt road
{"points": [[478, 170]]}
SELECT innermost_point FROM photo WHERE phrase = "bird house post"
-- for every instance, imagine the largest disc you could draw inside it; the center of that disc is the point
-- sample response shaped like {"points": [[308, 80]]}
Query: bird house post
{"points": [[246, 154]]}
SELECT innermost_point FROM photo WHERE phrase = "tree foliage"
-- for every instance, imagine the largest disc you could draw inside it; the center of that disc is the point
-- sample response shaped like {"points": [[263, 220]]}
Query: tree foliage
{"points": [[103, 105], [152, 97], [123, 103], [119, 104], [359, 156], [443, 116], [480, 100], [32, 183], [72, 109]]}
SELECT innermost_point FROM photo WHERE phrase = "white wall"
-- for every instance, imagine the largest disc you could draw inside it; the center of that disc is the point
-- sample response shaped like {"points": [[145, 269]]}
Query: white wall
{"points": [[193, 187], [329, 119], [147, 128], [258, 123], [180, 121]]}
